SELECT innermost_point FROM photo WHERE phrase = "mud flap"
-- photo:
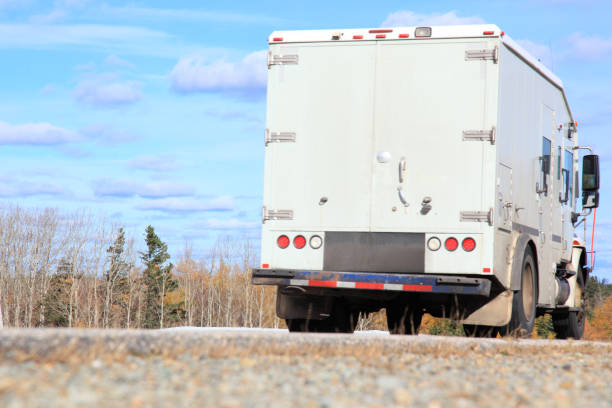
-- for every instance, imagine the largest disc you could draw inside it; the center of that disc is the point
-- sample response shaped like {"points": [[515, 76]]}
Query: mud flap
{"points": [[496, 312]]}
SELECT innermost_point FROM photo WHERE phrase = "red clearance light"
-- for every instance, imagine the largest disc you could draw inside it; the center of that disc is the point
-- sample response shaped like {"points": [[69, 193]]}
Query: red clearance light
{"points": [[357, 37], [451, 244], [486, 270], [404, 35], [488, 33], [502, 33], [277, 39], [576, 242], [468, 244], [283, 241], [265, 266], [299, 242], [381, 30], [380, 35]]}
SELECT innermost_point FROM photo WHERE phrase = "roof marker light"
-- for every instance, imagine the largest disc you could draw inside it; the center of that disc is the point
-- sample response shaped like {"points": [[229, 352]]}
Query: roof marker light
{"points": [[502, 34], [422, 32], [488, 32], [357, 37], [380, 30], [381, 36], [277, 39], [404, 35]]}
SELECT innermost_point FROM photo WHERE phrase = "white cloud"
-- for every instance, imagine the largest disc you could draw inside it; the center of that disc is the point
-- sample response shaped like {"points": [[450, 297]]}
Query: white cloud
{"points": [[107, 38], [118, 62], [26, 188], [35, 134], [156, 163], [130, 188], [410, 18], [222, 203], [583, 47], [231, 224], [195, 74], [107, 134], [104, 92], [130, 12]]}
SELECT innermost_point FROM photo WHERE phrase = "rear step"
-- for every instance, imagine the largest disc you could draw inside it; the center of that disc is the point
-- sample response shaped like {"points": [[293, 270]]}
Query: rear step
{"points": [[442, 284]]}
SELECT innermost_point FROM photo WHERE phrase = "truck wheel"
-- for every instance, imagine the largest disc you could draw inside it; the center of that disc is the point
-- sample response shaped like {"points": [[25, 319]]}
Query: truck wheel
{"points": [[524, 300], [472, 330], [403, 319], [570, 324]]}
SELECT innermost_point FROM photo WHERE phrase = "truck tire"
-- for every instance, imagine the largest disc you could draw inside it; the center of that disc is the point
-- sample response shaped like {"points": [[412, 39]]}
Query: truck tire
{"points": [[570, 324], [403, 319], [472, 330], [524, 300]]}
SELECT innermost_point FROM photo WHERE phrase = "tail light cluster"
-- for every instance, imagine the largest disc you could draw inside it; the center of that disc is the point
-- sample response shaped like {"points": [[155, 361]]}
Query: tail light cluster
{"points": [[299, 241], [451, 244]]}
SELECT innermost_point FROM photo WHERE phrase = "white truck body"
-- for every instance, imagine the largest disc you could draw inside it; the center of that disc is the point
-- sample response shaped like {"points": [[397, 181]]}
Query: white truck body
{"points": [[378, 140]]}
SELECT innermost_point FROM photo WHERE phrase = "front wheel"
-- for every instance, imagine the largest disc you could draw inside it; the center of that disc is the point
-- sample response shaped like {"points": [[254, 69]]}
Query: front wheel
{"points": [[570, 324]]}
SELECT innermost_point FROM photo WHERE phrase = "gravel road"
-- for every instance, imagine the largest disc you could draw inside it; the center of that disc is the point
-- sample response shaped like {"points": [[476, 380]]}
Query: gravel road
{"points": [[272, 368]]}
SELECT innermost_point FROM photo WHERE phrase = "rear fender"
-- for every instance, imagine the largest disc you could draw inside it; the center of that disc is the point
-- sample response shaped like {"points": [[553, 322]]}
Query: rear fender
{"points": [[517, 260]]}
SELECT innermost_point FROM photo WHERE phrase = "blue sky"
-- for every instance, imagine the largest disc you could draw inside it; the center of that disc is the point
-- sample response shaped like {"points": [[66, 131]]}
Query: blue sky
{"points": [[154, 115]]}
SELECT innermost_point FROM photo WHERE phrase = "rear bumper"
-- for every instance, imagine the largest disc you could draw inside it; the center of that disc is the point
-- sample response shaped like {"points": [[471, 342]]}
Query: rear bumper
{"points": [[442, 284]]}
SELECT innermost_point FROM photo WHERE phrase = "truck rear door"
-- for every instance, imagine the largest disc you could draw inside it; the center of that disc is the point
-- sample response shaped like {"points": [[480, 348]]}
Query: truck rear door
{"points": [[427, 94], [319, 149]]}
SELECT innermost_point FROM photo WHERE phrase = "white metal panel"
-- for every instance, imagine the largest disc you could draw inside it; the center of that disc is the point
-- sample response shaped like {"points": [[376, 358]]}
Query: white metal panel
{"points": [[523, 120], [326, 100], [427, 94]]}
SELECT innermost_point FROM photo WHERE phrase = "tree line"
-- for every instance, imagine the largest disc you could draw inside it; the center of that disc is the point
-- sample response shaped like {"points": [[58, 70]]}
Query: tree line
{"points": [[77, 270]]}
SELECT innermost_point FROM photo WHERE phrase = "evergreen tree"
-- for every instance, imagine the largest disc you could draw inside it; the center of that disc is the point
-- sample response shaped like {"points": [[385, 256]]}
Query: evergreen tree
{"points": [[157, 279], [115, 278]]}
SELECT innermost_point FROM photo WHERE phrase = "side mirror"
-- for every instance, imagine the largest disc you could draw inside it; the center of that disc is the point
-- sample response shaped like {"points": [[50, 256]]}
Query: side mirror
{"points": [[590, 173]]}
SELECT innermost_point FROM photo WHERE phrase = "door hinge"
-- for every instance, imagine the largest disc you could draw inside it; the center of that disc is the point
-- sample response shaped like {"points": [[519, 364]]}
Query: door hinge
{"points": [[279, 137], [485, 55], [276, 214], [479, 135], [282, 59], [477, 216]]}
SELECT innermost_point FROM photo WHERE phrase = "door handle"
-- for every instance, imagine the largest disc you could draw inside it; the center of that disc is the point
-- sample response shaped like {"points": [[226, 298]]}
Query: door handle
{"points": [[402, 170]]}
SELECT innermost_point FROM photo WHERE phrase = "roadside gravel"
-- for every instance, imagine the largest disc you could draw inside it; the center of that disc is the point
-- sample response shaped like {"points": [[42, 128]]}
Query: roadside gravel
{"points": [[272, 368]]}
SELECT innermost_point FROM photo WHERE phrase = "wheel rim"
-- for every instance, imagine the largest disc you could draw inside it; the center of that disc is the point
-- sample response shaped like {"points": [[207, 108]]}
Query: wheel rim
{"points": [[527, 291]]}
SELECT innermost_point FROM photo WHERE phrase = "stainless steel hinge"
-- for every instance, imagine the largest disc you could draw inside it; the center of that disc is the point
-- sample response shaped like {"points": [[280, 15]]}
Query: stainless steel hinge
{"points": [[276, 214], [279, 137], [485, 55], [282, 59], [480, 135], [477, 216]]}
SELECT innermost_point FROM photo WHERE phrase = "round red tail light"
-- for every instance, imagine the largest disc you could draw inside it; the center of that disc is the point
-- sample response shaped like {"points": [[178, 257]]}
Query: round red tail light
{"points": [[283, 241], [299, 242], [451, 244], [468, 244]]}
